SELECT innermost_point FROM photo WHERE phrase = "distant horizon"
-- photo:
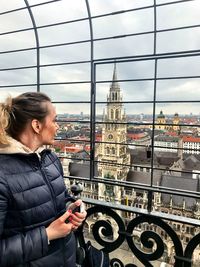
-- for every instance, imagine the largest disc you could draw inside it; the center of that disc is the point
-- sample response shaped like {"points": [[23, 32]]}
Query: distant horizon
{"points": [[129, 114]]}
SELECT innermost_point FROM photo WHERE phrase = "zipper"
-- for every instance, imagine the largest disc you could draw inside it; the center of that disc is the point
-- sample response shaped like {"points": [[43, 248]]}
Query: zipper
{"points": [[49, 186], [64, 252], [55, 208]]}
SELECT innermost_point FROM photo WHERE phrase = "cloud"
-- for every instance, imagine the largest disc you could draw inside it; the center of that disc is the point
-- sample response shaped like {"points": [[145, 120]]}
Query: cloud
{"points": [[176, 15]]}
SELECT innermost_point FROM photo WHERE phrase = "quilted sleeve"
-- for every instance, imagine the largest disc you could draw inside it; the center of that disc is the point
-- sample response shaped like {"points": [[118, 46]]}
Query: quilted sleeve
{"points": [[19, 248]]}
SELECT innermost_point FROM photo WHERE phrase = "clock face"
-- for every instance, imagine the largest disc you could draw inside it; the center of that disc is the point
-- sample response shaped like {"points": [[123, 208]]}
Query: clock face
{"points": [[110, 136]]}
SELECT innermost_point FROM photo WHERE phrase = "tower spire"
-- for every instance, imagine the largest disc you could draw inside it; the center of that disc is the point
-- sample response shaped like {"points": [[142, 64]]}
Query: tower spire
{"points": [[115, 72], [115, 86]]}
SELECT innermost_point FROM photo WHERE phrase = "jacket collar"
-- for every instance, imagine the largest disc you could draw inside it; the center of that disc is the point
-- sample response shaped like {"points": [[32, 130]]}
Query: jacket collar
{"points": [[15, 146]]}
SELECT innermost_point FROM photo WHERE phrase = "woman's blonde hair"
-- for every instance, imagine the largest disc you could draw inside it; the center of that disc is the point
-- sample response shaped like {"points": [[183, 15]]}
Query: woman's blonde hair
{"points": [[16, 112], [5, 112]]}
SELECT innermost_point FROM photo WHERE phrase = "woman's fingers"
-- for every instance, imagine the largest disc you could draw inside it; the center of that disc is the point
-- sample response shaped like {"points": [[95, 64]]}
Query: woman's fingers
{"points": [[81, 215], [64, 217], [77, 218]]}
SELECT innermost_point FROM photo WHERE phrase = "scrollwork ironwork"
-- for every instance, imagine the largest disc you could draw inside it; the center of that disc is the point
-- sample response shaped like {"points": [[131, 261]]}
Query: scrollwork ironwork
{"points": [[192, 244], [149, 239], [103, 229], [116, 263]]}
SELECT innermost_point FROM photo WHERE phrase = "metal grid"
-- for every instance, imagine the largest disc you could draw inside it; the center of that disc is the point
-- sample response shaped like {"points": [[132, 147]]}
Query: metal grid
{"points": [[94, 61]]}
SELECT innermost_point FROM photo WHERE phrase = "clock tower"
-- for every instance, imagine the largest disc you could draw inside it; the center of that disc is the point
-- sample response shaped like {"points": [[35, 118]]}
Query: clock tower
{"points": [[113, 157]]}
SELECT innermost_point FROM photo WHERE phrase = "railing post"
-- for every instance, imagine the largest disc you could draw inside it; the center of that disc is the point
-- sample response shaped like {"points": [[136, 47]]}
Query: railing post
{"points": [[149, 204]]}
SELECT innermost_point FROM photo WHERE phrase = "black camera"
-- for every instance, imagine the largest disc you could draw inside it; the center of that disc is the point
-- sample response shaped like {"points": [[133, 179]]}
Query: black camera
{"points": [[72, 201]]}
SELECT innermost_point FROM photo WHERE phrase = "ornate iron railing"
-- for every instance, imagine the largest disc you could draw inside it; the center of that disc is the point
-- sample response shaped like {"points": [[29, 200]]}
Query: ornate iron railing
{"points": [[152, 245]]}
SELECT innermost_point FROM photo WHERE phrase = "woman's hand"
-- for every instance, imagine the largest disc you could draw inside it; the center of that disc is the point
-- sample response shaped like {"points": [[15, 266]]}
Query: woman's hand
{"points": [[59, 228], [77, 218]]}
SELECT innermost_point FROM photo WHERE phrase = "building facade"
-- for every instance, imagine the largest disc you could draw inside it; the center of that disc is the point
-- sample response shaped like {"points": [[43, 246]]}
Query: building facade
{"points": [[112, 153], [164, 124]]}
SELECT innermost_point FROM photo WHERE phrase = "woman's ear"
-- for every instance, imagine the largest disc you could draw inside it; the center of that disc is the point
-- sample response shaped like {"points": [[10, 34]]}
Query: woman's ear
{"points": [[36, 126]]}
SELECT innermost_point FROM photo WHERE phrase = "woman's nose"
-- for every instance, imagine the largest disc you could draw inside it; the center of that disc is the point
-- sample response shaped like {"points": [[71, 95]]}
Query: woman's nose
{"points": [[57, 126]]}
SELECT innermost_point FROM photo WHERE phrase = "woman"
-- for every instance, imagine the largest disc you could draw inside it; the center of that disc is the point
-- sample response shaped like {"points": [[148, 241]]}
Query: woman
{"points": [[34, 230]]}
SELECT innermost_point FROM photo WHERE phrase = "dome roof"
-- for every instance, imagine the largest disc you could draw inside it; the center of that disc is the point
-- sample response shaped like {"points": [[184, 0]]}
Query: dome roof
{"points": [[161, 115]]}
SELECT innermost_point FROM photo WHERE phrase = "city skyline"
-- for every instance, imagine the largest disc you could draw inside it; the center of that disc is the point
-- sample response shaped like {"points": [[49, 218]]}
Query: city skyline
{"points": [[134, 114]]}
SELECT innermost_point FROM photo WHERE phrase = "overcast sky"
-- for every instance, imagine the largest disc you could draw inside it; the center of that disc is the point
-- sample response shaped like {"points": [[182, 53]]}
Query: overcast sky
{"points": [[138, 21]]}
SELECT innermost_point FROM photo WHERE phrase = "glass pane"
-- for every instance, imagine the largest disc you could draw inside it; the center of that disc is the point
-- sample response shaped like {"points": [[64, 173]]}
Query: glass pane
{"points": [[126, 70], [104, 6], [178, 14], [122, 47], [14, 41], [177, 90], [58, 11], [66, 53], [73, 111], [8, 20], [125, 23], [65, 73], [179, 67], [184, 110], [15, 91], [130, 91], [18, 77], [134, 112], [18, 59], [180, 40], [65, 33], [10, 5], [67, 92]]}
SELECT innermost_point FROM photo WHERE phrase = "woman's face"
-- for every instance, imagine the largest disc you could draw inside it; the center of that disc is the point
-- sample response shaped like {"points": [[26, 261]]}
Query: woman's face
{"points": [[49, 126]]}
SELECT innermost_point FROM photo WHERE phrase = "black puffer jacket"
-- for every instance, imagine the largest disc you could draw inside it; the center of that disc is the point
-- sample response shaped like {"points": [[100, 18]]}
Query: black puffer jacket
{"points": [[32, 195]]}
